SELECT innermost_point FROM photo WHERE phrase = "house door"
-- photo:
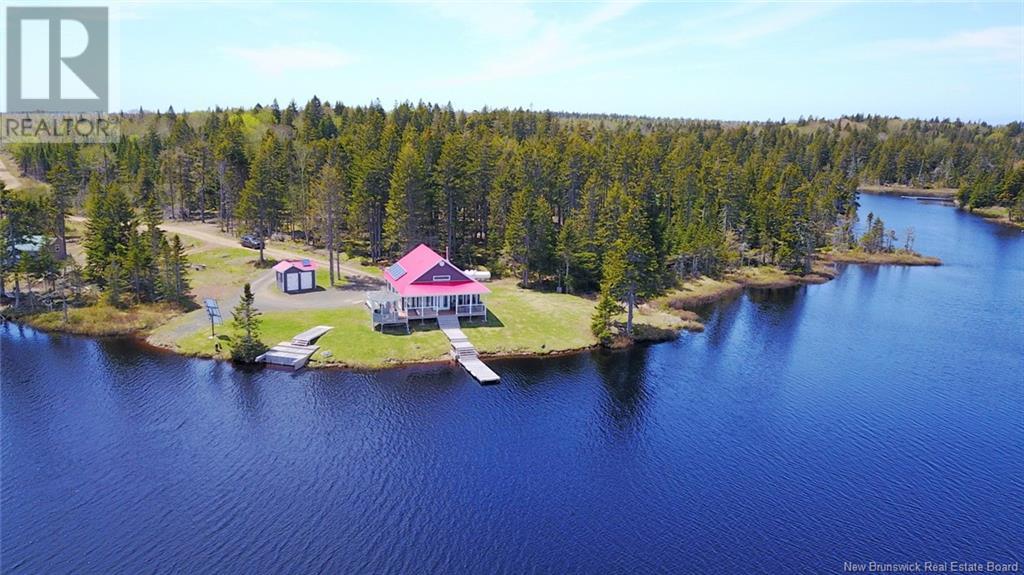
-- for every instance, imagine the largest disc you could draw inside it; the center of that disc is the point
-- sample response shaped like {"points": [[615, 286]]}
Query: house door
{"points": [[307, 280], [292, 282]]}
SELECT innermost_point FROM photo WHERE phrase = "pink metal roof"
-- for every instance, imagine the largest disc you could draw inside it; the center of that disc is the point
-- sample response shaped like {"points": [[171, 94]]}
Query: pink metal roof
{"points": [[419, 261], [304, 265]]}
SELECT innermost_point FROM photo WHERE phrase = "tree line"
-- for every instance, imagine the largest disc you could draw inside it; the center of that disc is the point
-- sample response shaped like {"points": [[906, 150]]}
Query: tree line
{"points": [[566, 201]]}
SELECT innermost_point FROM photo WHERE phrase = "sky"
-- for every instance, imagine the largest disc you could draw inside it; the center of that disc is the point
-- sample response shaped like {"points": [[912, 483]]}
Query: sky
{"points": [[726, 61]]}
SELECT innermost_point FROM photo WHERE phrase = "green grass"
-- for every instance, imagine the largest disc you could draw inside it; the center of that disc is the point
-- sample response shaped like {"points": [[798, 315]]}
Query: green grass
{"points": [[521, 322], [323, 278], [351, 342], [529, 322], [1000, 214], [223, 267]]}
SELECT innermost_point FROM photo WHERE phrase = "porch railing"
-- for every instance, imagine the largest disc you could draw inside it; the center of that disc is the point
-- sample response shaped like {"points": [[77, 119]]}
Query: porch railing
{"points": [[422, 312], [471, 309], [379, 317]]}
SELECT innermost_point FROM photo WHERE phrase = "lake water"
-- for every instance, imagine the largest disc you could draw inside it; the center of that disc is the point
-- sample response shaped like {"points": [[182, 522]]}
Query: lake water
{"points": [[879, 417]]}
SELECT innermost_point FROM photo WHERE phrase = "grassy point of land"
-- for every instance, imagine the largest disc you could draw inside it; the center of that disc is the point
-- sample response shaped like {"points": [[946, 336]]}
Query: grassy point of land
{"points": [[898, 258], [998, 214], [894, 190], [704, 290]]}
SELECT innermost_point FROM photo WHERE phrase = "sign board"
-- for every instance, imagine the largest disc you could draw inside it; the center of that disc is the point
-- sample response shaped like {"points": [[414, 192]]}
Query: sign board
{"points": [[213, 310]]}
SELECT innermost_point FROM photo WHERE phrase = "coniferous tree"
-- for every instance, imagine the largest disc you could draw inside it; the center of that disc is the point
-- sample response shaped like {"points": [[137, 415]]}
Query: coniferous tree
{"points": [[630, 268], [114, 282], [111, 223], [601, 322], [330, 187], [246, 345], [403, 210], [62, 184], [262, 199], [174, 286]]}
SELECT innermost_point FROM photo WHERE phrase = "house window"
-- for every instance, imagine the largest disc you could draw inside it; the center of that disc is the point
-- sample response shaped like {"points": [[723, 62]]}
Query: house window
{"points": [[442, 278]]}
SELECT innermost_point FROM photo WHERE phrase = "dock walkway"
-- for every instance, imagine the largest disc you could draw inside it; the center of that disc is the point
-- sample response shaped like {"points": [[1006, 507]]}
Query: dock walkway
{"points": [[464, 352], [310, 335]]}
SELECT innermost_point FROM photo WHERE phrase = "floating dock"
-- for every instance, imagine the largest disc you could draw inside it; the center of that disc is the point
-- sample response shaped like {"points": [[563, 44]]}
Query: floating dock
{"points": [[286, 354], [464, 352], [296, 353]]}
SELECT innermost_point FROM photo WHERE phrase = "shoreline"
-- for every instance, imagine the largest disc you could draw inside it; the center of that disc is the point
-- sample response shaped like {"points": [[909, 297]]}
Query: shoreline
{"points": [[898, 190], [995, 214], [897, 258], [680, 303]]}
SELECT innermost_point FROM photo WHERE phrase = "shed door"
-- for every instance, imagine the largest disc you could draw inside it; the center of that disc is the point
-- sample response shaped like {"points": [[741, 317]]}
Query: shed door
{"points": [[293, 282], [307, 280]]}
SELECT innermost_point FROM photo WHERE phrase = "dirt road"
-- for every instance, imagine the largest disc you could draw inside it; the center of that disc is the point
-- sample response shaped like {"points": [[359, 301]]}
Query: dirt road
{"points": [[8, 171], [210, 234]]}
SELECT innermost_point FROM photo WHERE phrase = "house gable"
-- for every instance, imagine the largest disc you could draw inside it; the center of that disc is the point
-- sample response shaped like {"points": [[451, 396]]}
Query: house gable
{"points": [[442, 272]]}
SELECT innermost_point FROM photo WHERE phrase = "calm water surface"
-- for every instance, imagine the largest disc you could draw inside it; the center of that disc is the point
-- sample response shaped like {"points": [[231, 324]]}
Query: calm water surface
{"points": [[877, 417]]}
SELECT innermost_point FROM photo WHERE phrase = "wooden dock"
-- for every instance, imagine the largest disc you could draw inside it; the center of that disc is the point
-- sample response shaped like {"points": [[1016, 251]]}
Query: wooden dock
{"points": [[463, 352], [295, 353], [288, 355]]}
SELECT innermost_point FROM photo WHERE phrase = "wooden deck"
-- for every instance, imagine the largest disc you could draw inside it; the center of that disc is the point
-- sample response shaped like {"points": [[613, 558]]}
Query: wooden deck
{"points": [[464, 352]]}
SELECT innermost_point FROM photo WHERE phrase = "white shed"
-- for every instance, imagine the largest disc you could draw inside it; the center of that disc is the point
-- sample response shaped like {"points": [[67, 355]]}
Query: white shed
{"points": [[295, 276]]}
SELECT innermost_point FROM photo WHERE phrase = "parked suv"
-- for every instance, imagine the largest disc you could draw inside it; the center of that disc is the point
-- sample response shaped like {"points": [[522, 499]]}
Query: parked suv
{"points": [[251, 241]]}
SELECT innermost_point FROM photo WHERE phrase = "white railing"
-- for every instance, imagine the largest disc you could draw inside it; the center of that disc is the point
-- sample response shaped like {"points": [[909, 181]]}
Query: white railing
{"points": [[422, 312], [471, 309], [379, 317]]}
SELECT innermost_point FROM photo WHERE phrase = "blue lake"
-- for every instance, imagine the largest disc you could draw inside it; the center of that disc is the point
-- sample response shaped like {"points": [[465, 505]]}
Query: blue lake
{"points": [[878, 417]]}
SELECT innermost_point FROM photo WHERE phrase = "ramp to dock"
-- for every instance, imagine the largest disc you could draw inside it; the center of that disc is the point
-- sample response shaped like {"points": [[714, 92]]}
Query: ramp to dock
{"points": [[310, 335], [464, 352]]}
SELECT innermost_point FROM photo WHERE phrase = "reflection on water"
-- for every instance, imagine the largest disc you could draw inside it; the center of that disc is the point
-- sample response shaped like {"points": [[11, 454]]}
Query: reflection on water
{"points": [[875, 417]]}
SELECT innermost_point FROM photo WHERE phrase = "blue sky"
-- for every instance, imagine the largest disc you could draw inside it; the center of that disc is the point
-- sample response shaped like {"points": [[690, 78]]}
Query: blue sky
{"points": [[731, 61]]}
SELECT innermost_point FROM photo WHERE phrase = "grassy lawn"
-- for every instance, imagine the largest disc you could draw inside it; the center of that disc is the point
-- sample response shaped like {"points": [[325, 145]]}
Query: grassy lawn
{"points": [[520, 322], [323, 278], [223, 267], [351, 342], [304, 250], [525, 321]]}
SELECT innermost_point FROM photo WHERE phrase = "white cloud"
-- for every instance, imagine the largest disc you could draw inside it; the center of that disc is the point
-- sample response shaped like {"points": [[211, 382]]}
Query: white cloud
{"points": [[775, 21], [548, 46], [279, 58], [552, 46], [997, 42], [490, 20]]}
